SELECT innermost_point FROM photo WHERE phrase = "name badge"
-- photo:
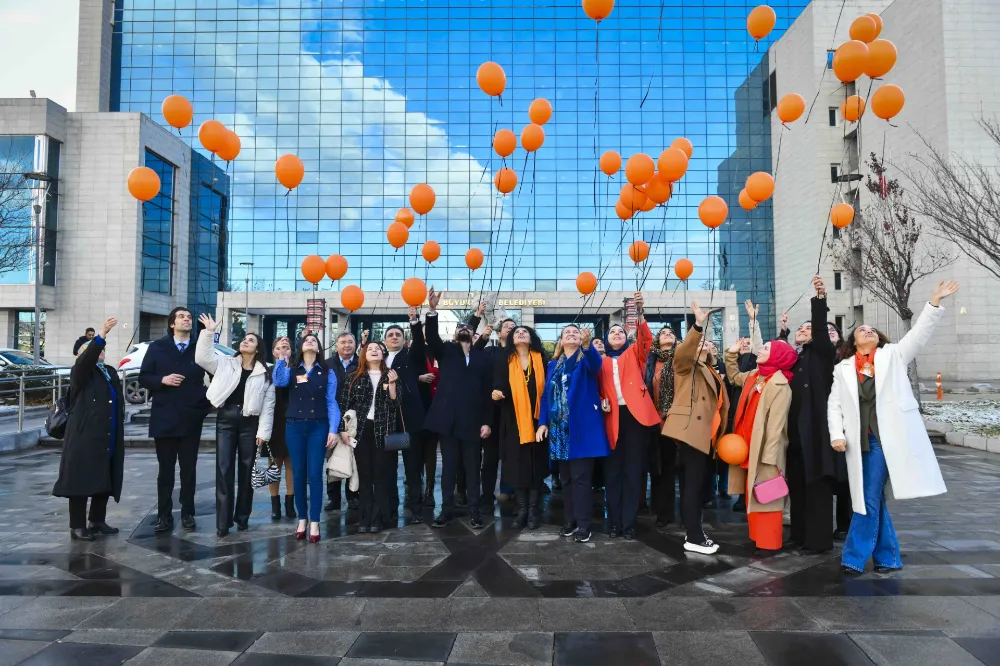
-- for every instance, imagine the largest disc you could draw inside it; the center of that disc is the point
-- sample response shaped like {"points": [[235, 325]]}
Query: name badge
{"points": [[301, 379], [867, 370]]}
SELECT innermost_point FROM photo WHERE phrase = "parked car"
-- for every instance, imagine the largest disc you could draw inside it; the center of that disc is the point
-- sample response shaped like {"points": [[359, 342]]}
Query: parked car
{"points": [[130, 365], [16, 357]]}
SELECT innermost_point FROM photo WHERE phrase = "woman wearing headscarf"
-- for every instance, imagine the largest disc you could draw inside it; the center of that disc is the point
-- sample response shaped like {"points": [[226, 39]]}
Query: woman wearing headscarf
{"points": [[629, 417], [570, 416], [93, 452], [663, 452], [875, 418], [762, 421], [518, 385]]}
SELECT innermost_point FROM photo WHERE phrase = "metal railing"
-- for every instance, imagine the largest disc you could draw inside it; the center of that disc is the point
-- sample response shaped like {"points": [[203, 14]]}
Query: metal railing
{"points": [[17, 382]]}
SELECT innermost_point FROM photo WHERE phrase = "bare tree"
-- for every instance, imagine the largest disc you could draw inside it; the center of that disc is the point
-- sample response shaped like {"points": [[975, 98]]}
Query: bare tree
{"points": [[882, 250], [16, 233], [961, 198]]}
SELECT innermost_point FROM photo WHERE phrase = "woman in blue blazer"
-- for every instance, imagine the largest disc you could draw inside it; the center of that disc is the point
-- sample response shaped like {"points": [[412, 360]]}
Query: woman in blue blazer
{"points": [[572, 419]]}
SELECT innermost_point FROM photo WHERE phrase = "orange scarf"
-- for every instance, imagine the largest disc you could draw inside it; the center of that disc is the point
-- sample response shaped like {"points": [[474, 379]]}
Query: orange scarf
{"points": [[864, 364], [524, 411], [746, 410]]}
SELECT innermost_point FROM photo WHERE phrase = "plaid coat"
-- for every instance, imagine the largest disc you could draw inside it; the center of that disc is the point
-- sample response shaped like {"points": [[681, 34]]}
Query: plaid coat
{"points": [[358, 394]]}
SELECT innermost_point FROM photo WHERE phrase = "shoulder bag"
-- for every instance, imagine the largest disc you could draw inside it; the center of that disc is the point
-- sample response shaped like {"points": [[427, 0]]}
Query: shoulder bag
{"points": [[58, 417], [260, 477], [398, 441]]}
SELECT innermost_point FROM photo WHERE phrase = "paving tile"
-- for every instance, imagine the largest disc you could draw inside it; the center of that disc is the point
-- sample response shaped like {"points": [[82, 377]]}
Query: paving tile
{"points": [[220, 641], [81, 654], [854, 614], [494, 615], [584, 615], [33, 634], [697, 648], [503, 648], [140, 637], [14, 652], [138, 613], [404, 614], [989, 604], [314, 643], [162, 656], [986, 650], [894, 650], [954, 616], [603, 648], [421, 646], [797, 648], [54, 612], [347, 661], [262, 659]]}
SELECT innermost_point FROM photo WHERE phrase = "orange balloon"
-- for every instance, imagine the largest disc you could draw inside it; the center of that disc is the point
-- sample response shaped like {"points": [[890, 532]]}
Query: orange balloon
{"points": [[431, 251], [732, 449], [852, 108], [632, 197], [760, 186], [673, 164], [404, 216], [336, 267], [143, 183], [313, 268], [623, 211], [504, 142], [289, 170], [177, 111], [850, 60], [639, 169], [658, 189], [791, 107], [842, 215], [505, 180], [881, 58], [685, 145], [760, 22], [212, 135], [586, 283], [474, 258], [352, 298], [231, 149], [422, 198], [414, 292], [683, 269], [746, 203], [491, 79], [864, 29], [888, 101], [540, 111], [712, 211], [611, 162], [638, 251], [878, 23], [598, 9], [398, 234], [647, 205], [532, 137]]}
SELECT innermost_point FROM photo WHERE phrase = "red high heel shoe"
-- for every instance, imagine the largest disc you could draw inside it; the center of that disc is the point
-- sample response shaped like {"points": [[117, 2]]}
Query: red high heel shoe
{"points": [[313, 538], [301, 534]]}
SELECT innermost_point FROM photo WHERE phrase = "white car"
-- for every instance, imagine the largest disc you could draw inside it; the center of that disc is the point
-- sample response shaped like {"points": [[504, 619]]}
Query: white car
{"points": [[16, 357], [130, 365]]}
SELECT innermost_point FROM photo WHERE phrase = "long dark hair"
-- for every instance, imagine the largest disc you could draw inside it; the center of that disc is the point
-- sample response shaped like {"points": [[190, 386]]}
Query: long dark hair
{"points": [[319, 353], [362, 370], [848, 349], [535, 345], [258, 355]]}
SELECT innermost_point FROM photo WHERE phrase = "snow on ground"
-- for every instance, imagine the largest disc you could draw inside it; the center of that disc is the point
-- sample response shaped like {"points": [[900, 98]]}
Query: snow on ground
{"points": [[971, 417]]}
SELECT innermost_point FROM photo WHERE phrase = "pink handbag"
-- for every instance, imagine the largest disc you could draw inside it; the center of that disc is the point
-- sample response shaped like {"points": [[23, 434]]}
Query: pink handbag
{"points": [[773, 489]]}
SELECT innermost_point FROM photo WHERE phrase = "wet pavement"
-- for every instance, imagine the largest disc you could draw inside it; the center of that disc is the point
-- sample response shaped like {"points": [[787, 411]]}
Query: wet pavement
{"points": [[495, 596]]}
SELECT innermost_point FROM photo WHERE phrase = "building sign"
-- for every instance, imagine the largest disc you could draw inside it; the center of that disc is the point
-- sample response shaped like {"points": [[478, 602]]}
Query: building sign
{"points": [[315, 314], [501, 302], [631, 315]]}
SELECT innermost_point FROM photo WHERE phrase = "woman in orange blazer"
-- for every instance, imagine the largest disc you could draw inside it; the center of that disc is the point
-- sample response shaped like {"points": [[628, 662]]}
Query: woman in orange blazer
{"points": [[629, 419]]}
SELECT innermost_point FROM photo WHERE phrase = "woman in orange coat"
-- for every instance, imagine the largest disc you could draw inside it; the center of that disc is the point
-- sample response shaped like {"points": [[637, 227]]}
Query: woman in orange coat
{"points": [[629, 417]]}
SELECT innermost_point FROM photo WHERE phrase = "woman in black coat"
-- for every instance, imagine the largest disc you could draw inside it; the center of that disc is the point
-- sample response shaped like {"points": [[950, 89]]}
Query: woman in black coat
{"points": [[93, 454]]}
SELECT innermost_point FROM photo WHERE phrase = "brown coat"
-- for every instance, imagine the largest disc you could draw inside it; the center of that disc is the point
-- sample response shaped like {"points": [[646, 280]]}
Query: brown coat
{"points": [[690, 417], [769, 440]]}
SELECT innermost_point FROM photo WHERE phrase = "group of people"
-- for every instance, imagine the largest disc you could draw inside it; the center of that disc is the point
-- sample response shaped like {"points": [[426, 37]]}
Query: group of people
{"points": [[820, 416]]}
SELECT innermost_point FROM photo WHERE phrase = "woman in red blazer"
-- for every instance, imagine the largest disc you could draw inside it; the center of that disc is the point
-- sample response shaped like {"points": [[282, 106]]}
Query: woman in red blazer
{"points": [[630, 416]]}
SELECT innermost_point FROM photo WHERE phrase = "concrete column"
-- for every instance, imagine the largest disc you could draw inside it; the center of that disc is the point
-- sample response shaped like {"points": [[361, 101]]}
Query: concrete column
{"points": [[93, 61]]}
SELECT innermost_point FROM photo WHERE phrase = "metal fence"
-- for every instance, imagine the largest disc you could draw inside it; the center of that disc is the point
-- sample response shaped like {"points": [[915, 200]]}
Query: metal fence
{"points": [[18, 383]]}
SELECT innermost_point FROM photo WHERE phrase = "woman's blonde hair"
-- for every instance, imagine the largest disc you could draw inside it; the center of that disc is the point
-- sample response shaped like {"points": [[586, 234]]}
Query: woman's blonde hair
{"points": [[558, 351]]}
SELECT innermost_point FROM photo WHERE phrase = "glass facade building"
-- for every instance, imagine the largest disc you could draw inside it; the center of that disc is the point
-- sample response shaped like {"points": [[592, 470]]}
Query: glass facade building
{"points": [[376, 96]]}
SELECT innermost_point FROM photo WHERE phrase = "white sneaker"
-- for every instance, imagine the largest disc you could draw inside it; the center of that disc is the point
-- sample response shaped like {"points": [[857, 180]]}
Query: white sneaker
{"points": [[707, 547]]}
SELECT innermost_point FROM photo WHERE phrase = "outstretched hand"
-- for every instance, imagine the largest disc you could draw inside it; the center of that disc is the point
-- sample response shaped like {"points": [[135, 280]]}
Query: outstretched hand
{"points": [[207, 321], [700, 316], [944, 289]]}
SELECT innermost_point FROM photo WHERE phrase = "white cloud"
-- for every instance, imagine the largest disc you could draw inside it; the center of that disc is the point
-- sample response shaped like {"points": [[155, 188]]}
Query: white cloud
{"points": [[38, 48]]}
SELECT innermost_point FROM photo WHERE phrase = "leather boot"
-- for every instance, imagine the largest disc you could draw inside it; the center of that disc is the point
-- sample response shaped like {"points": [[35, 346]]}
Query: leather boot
{"points": [[534, 512], [429, 494], [275, 507], [522, 509], [290, 506]]}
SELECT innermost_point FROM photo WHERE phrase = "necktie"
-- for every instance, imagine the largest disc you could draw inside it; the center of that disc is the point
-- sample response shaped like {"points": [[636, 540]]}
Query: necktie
{"points": [[181, 346]]}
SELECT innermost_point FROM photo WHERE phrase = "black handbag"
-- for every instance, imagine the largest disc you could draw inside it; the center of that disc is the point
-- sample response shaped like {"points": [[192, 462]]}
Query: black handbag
{"points": [[58, 417], [264, 476], [398, 441]]}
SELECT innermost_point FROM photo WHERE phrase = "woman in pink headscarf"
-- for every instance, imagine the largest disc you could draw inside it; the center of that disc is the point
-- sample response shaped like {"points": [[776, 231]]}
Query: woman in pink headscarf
{"points": [[762, 420]]}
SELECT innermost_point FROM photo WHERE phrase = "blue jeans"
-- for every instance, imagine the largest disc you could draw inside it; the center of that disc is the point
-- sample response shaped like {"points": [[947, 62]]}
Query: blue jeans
{"points": [[872, 535], [306, 440]]}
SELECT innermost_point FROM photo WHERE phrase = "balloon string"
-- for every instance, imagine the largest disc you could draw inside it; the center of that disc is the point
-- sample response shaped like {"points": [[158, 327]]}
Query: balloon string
{"points": [[777, 159]]}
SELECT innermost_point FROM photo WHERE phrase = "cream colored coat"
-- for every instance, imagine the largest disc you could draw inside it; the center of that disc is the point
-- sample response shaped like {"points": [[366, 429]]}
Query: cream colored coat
{"points": [[909, 456], [769, 440]]}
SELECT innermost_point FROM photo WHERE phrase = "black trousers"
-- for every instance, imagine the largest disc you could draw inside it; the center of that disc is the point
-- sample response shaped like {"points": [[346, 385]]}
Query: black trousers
{"points": [[578, 490], [490, 468], [169, 452], [414, 462], [235, 453], [376, 470], [467, 453], [430, 458], [664, 484], [78, 511], [693, 463], [845, 511], [623, 470], [333, 492], [810, 504]]}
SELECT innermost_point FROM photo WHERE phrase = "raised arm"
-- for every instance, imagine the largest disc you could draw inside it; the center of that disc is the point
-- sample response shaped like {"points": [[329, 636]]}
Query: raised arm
{"points": [[282, 373], [687, 351], [923, 329], [81, 373], [736, 377], [332, 408], [418, 346], [756, 340], [821, 342], [204, 350], [643, 343]]}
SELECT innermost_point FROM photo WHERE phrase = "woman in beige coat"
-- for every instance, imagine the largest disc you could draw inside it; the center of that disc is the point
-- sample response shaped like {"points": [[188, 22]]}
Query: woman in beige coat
{"points": [[762, 420]]}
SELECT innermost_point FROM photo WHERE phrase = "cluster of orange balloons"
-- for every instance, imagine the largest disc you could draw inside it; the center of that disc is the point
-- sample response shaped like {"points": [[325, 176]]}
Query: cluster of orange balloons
{"points": [[315, 268], [650, 183], [218, 140], [532, 138], [759, 187], [873, 57]]}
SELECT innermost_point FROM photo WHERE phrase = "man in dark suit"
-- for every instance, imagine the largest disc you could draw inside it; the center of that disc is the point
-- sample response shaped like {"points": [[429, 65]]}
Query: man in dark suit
{"points": [[344, 364], [462, 411], [176, 385]]}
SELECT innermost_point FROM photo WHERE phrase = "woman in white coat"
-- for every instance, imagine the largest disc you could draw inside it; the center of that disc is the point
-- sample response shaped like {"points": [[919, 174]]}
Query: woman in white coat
{"points": [[243, 392], [873, 416]]}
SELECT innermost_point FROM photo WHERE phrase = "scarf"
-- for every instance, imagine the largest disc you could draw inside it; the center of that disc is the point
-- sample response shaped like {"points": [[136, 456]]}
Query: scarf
{"points": [[865, 365], [783, 357], [524, 412], [666, 396], [746, 410], [615, 353]]}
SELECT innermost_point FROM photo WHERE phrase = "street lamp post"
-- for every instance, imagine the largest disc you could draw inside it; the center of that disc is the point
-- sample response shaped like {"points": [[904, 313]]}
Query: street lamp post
{"points": [[246, 312], [39, 259]]}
